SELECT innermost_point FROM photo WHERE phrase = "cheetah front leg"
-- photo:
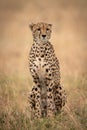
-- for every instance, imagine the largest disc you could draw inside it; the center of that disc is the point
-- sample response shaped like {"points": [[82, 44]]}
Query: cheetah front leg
{"points": [[37, 111], [50, 100], [37, 93], [35, 103]]}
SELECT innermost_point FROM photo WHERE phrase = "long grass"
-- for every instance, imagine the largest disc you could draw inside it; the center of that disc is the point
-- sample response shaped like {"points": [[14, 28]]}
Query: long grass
{"points": [[14, 113]]}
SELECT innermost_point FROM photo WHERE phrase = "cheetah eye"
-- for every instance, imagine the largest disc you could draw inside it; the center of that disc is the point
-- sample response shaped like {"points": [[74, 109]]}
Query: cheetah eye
{"points": [[47, 29], [38, 29]]}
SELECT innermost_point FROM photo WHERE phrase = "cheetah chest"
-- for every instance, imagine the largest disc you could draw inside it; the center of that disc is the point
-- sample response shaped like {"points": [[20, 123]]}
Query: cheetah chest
{"points": [[41, 70]]}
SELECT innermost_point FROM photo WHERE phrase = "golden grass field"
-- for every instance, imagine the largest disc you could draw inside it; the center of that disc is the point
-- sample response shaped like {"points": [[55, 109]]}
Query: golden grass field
{"points": [[69, 38]]}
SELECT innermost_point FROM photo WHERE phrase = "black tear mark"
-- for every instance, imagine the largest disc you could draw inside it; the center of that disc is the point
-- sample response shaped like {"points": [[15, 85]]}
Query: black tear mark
{"points": [[47, 70]]}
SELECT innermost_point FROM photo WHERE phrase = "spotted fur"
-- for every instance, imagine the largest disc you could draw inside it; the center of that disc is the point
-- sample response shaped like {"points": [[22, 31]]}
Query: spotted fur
{"points": [[47, 96]]}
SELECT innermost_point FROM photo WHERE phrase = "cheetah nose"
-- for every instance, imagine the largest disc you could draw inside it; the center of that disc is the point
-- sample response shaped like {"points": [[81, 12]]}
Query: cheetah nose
{"points": [[43, 36]]}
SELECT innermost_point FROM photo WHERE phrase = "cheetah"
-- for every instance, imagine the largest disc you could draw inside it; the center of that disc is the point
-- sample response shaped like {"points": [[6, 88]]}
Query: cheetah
{"points": [[47, 96]]}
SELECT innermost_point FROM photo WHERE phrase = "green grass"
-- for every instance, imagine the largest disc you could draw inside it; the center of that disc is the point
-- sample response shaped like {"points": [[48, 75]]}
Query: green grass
{"points": [[13, 102]]}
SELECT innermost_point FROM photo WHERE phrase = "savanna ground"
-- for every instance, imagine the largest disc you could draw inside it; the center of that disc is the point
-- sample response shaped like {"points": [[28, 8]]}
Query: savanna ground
{"points": [[69, 37]]}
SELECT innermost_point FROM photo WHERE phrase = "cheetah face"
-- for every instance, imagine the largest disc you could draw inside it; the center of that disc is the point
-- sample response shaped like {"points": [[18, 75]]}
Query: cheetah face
{"points": [[41, 31]]}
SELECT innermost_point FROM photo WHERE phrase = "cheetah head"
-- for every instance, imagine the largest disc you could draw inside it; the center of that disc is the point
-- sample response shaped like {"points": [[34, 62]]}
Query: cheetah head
{"points": [[41, 31]]}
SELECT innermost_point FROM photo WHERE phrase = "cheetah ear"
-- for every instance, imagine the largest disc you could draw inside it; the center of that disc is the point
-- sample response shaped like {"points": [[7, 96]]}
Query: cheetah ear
{"points": [[31, 26]]}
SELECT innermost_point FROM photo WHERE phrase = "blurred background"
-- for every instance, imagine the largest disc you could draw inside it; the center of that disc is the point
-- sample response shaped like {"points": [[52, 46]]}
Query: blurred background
{"points": [[69, 38]]}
